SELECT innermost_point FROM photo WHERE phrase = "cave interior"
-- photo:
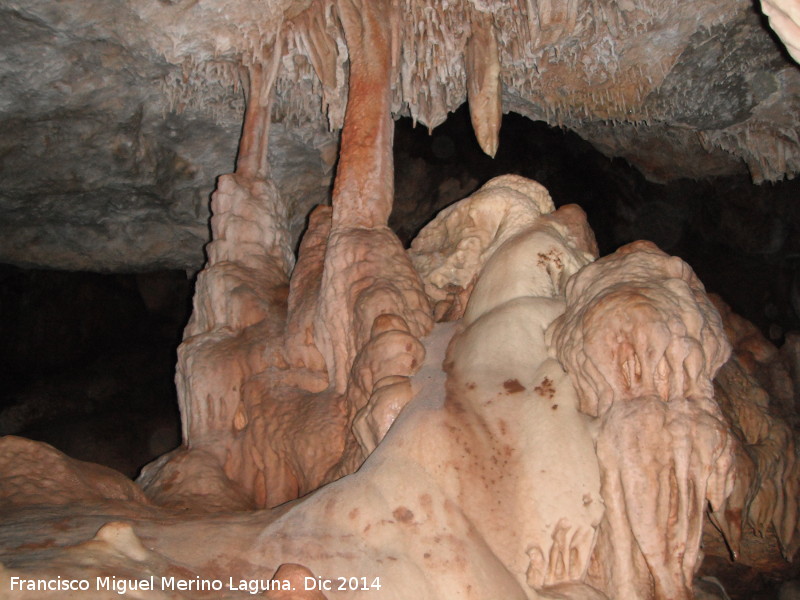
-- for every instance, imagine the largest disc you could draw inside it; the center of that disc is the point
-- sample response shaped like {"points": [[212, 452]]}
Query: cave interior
{"points": [[221, 268]]}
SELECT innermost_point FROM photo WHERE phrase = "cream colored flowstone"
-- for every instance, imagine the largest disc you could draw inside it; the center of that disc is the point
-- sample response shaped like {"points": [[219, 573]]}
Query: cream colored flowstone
{"points": [[498, 479]]}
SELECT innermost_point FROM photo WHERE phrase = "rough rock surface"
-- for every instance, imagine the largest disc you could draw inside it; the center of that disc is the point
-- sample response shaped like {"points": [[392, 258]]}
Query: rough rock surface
{"points": [[450, 251], [103, 167], [642, 344], [117, 118], [560, 441], [37, 474], [756, 393]]}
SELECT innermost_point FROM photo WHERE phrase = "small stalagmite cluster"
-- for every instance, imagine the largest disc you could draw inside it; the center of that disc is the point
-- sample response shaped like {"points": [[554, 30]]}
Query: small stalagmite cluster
{"points": [[494, 413]]}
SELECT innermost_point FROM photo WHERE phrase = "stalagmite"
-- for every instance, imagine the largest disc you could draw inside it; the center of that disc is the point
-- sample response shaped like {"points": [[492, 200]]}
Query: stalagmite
{"points": [[451, 250], [238, 311], [462, 496], [253, 362]]}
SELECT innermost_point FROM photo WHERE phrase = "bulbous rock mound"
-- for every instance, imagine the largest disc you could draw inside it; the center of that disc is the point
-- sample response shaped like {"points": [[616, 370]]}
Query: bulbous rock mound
{"points": [[560, 440], [35, 473], [450, 251], [638, 323]]}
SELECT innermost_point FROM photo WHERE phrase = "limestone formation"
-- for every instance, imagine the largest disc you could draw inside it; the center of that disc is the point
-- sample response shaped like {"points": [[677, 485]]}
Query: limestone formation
{"points": [[555, 435], [487, 472], [239, 308], [274, 420], [642, 344], [756, 394], [784, 18], [625, 342], [450, 251], [38, 474], [143, 103]]}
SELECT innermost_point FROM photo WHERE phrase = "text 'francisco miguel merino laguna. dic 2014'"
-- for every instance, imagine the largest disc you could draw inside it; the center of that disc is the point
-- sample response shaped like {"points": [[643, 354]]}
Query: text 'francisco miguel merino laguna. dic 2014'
{"points": [[252, 586]]}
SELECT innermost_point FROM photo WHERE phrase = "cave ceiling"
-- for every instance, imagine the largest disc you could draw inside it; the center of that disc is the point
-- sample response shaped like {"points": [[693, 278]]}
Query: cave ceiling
{"points": [[117, 117]]}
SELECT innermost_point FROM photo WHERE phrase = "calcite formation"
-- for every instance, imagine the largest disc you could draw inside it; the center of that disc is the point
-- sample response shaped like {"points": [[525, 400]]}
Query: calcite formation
{"points": [[757, 395], [643, 344], [492, 469], [355, 305], [784, 18], [142, 102], [554, 435]]}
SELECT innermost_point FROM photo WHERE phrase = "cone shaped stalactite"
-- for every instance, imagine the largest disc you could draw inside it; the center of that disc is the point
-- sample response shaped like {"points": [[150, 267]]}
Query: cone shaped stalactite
{"points": [[484, 89]]}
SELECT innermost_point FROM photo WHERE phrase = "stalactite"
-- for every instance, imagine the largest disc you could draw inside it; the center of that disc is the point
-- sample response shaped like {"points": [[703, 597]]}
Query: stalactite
{"points": [[251, 161], [366, 271], [769, 150], [363, 196], [484, 89], [236, 322]]}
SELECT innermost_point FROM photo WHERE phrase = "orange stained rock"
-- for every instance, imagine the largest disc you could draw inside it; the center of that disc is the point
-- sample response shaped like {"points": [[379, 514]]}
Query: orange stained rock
{"points": [[364, 187], [638, 323], [295, 576]]}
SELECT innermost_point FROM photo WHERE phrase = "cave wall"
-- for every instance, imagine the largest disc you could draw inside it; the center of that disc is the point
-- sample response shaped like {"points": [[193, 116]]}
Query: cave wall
{"points": [[104, 167], [117, 118]]}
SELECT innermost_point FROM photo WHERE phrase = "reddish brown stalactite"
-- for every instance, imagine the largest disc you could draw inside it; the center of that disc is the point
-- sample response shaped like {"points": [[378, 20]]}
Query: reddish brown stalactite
{"points": [[364, 187], [367, 272], [251, 161]]}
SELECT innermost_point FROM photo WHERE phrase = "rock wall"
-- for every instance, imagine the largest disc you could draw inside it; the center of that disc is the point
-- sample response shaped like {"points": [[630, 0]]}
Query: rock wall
{"points": [[142, 104]]}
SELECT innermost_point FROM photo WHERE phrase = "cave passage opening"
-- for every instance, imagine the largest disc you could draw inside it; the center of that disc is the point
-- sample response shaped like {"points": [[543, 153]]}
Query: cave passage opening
{"points": [[87, 361]]}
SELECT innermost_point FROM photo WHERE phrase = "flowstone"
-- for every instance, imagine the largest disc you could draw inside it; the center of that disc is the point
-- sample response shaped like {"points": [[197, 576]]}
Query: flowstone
{"points": [[554, 435]]}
